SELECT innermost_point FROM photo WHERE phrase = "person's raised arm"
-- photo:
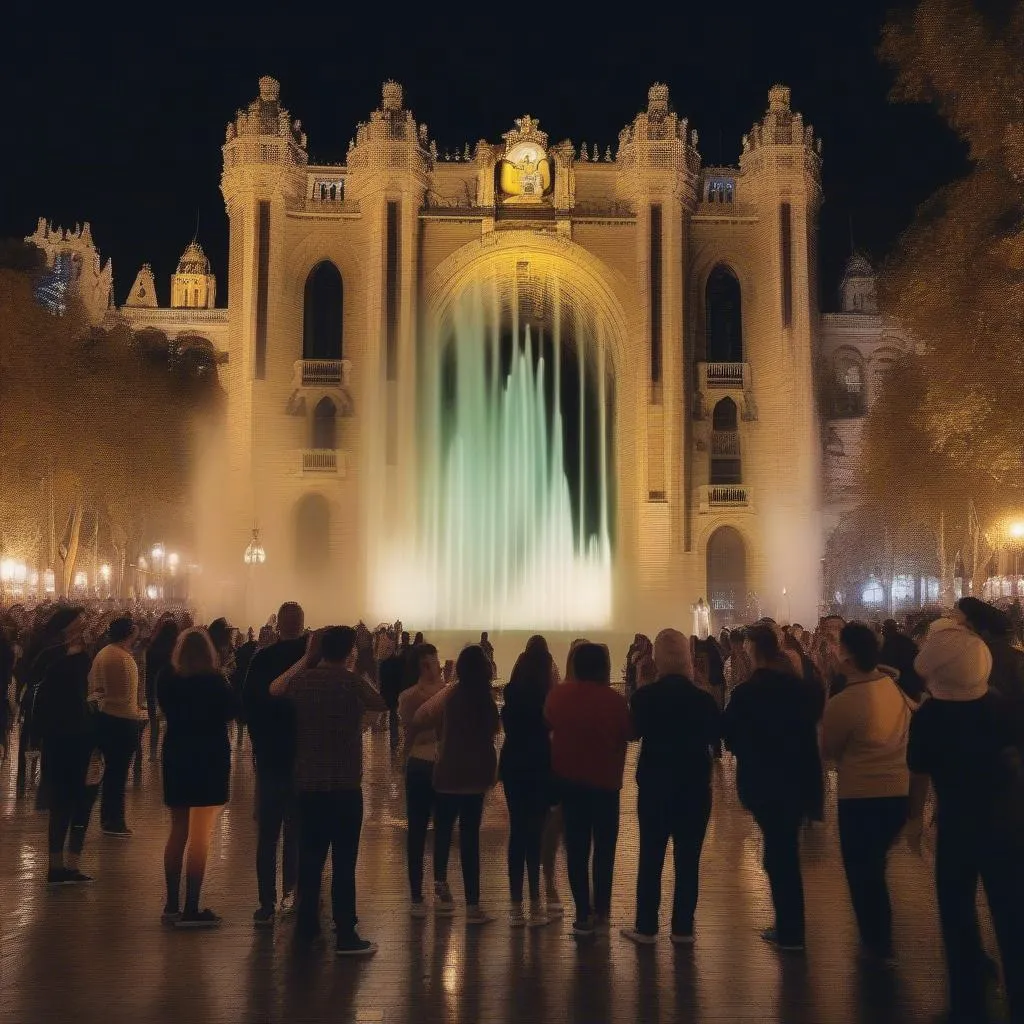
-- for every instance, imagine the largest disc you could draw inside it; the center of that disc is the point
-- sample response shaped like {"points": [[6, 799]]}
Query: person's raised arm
{"points": [[279, 687]]}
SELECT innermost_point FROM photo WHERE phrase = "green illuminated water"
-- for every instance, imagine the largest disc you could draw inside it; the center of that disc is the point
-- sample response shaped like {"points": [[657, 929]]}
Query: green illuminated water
{"points": [[501, 543]]}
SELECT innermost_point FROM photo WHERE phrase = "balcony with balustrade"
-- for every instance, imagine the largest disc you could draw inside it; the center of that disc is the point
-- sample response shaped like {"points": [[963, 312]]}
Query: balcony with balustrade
{"points": [[714, 497], [716, 377], [322, 373], [323, 462]]}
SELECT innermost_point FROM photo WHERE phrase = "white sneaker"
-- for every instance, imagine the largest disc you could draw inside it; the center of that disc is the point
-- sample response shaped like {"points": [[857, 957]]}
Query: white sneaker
{"points": [[418, 909], [287, 904], [444, 905], [639, 938], [679, 939], [516, 917], [475, 915], [553, 905]]}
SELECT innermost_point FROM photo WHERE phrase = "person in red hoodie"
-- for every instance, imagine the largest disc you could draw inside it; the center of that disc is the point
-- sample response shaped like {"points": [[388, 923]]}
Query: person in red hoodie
{"points": [[590, 729]]}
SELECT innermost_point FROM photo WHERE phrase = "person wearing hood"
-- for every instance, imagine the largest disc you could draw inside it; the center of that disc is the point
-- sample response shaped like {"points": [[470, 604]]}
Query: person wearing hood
{"points": [[995, 627], [677, 724], [771, 726], [967, 742]]}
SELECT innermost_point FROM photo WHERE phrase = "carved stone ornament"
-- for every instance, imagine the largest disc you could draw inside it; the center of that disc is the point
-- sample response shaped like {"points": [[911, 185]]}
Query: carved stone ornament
{"points": [[749, 407]]}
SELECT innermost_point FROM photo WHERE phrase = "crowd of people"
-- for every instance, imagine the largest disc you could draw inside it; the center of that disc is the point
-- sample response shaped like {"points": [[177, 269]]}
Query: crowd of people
{"points": [[927, 715]]}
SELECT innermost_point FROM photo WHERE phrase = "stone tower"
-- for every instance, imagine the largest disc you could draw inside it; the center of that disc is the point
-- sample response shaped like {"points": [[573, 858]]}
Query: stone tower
{"points": [[388, 164], [781, 173], [263, 171], [658, 170]]}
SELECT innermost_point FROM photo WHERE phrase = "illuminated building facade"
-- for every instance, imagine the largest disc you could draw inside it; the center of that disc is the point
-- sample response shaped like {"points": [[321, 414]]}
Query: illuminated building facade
{"points": [[517, 384]]}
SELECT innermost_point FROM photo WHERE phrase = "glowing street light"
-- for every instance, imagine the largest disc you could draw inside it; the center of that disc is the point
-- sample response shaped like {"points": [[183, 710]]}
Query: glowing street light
{"points": [[1017, 530], [172, 562], [7, 570], [105, 572]]}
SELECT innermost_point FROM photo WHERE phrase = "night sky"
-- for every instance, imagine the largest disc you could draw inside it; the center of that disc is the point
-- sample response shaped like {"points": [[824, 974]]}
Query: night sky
{"points": [[119, 120]]}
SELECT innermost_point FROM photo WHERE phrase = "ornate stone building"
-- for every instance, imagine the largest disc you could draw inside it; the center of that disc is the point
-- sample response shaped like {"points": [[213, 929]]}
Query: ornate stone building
{"points": [[657, 316]]}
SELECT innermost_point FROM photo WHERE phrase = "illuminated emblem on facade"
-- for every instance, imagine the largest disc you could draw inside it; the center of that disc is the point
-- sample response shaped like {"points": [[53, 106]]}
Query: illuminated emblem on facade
{"points": [[524, 174]]}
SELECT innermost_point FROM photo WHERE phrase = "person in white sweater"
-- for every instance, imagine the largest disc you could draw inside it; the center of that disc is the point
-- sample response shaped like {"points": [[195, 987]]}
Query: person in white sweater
{"points": [[864, 734]]}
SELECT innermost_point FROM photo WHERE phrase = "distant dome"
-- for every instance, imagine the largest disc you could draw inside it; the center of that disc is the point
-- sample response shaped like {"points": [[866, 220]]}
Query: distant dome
{"points": [[859, 266], [193, 260]]}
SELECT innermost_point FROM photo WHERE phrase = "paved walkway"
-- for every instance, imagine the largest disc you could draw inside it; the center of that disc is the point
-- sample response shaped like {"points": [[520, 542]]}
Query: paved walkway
{"points": [[98, 953]]}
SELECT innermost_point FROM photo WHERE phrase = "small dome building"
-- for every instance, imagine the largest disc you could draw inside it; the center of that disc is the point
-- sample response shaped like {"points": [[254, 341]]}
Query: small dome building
{"points": [[193, 286]]}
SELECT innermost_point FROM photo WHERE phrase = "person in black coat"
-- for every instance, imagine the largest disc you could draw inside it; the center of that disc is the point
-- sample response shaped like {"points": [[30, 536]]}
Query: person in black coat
{"points": [[678, 726], [271, 722], [899, 651], [392, 681], [525, 772], [64, 723], [157, 658], [771, 726], [197, 703]]}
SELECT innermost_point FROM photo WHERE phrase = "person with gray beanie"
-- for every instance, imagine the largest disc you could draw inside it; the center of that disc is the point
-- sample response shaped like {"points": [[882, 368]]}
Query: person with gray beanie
{"points": [[967, 742], [677, 724]]}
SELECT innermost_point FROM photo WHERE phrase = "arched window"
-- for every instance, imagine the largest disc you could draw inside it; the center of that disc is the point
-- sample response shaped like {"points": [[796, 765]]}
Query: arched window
{"points": [[723, 317], [323, 304], [726, 575], [849, 395], [195, 296], [726, 467], [325, 428], [312, 534]]}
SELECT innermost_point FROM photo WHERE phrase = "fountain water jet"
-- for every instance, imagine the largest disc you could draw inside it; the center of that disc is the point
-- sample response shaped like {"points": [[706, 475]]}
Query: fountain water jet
{"points": [[500, 542]]}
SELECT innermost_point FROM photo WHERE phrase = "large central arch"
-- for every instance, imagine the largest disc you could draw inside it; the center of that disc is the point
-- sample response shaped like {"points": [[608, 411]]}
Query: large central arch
{"points": [[520, 523]]}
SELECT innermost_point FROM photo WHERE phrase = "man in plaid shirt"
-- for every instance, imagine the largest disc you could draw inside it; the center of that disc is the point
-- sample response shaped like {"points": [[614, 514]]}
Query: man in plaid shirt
{"points": [[330, 704]]}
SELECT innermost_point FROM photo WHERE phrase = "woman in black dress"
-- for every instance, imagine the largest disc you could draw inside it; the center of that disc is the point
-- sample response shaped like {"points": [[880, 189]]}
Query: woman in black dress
{"points": [[197, 704]]}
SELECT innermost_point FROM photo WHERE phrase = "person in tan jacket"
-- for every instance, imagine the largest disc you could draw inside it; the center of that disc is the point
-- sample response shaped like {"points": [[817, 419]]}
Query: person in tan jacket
{"points": [[864, 734], [114, 689]]}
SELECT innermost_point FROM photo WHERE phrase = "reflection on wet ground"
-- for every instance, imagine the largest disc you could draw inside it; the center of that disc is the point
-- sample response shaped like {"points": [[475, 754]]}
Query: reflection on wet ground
{"points": [[98, 953]]}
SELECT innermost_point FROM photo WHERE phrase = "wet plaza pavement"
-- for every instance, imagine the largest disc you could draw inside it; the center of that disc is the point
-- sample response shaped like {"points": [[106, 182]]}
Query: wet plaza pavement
{"points": [[98, 952]]}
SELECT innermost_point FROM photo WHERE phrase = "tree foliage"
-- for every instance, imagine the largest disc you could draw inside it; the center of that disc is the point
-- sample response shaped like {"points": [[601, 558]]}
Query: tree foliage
{"points": [[103, 416], [947, 429]]}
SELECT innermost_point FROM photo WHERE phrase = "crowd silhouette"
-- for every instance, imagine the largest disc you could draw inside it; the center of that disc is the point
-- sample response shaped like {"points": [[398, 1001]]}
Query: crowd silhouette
{"points": [[919, 720]]}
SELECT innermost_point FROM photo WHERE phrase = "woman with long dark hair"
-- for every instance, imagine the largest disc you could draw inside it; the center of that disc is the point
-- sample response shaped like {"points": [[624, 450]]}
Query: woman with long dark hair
{"points": [[525, 773], [198, 704], [466, 719]]}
